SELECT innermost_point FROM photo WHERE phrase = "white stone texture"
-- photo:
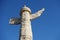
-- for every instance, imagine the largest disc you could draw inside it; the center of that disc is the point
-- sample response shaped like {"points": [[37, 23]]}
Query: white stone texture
{"points": [[26, 8], [14, 21], [26, 31], [37, 14]]}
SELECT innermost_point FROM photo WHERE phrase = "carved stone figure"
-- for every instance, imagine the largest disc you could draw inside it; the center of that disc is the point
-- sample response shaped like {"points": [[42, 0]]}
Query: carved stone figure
{"points": [[25, 21]]}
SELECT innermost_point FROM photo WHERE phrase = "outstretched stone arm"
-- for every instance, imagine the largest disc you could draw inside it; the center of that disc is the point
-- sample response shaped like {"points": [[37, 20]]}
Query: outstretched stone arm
{"points": [[37, 14], [15, 21]]}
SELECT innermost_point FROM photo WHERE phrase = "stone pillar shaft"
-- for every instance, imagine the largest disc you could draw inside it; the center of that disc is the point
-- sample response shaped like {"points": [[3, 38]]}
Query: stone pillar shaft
{"points": [[26, 31]]}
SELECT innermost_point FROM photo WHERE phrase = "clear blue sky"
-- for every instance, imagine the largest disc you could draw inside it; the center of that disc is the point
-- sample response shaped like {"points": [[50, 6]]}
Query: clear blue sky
{"points": [[45, 27]]}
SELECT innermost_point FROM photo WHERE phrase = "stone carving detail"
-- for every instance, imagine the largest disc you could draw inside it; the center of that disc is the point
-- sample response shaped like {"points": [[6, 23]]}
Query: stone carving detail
{"points": [[25, 21]]}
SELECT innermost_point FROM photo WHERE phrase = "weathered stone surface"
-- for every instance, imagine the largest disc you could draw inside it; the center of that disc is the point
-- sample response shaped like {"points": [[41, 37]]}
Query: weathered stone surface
{"points": [[25, 20]]}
